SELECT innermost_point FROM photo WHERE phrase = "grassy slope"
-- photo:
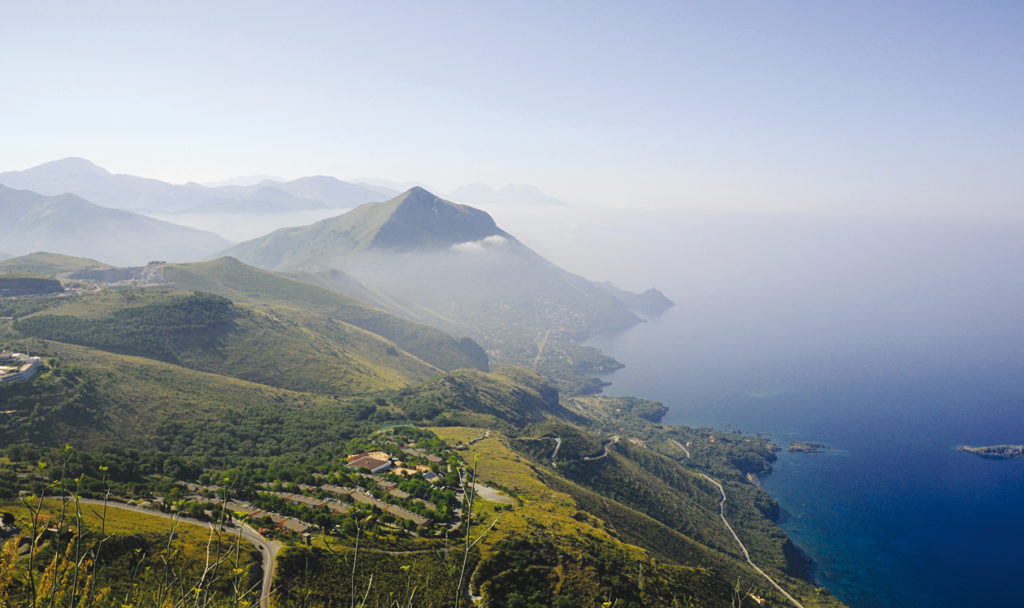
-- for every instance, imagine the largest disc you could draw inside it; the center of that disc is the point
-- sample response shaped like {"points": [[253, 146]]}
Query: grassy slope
{"points": [[279, 347], [103, 399], [644, 483], [245, 284], [49, 264], [634, 496], [510, 397], [132, 538], [546, 514]]}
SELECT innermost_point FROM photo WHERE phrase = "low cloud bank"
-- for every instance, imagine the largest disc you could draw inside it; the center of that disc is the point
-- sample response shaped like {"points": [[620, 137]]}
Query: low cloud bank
{"points": [[489, 242]]}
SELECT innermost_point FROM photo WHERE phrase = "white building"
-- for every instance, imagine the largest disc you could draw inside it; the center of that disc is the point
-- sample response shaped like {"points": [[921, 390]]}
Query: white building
{"points": [[18, 367]]}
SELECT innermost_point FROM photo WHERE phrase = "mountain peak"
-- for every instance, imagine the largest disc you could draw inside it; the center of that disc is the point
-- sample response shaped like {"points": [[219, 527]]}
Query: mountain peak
{"points": [[419, 191], [421, 220], [418, 196], [73, 165]]}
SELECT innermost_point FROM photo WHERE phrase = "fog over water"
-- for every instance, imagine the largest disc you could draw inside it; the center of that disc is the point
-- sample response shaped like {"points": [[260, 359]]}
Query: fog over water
{"points": [[892, 341]]}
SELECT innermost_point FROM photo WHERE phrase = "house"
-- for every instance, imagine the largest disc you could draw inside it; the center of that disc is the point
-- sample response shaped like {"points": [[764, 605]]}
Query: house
{"points": [[401, 513], [336, 490], [370, 460], [315, 503], [336, 507], [244, 508], [295, 525]]}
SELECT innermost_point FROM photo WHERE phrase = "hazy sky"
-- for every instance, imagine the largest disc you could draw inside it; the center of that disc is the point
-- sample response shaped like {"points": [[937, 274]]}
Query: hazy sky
{"points": [[901, 108]]}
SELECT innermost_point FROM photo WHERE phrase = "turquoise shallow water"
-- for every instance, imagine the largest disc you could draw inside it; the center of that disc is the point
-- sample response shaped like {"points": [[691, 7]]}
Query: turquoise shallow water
{"points": [[892, 345]]}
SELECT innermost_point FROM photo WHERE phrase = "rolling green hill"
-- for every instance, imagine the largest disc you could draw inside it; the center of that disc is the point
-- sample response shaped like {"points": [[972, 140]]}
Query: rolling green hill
{"points": [[243, 283], [97, 400], [49, 264], [273, 346], [510, 397]]}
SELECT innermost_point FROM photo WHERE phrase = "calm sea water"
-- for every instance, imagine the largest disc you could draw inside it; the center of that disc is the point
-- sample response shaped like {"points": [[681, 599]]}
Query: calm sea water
{"points": [[890, 344]]}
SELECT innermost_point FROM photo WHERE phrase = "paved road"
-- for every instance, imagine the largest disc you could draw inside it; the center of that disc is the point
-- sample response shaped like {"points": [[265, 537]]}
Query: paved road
{"points": [[681, 447], [558, 446], [540, 348], [721, 513], [486, 434], [267, 548], [604, 449]]}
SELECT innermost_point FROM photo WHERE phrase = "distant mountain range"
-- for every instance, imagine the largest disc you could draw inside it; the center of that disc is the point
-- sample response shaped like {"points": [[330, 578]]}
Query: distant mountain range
{"points": [[254, 194], [70, 225], [81, 177]]}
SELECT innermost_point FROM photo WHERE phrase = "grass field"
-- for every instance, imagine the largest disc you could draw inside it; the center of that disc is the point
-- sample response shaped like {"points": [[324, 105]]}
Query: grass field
{"points": [[543, 510], [141, 558]]}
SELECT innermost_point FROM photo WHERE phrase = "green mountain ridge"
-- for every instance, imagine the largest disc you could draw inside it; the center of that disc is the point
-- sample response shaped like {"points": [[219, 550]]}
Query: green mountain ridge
{"points": [[451, 266], [246, 284], [414, 220], [277, 347], [243, 283]]}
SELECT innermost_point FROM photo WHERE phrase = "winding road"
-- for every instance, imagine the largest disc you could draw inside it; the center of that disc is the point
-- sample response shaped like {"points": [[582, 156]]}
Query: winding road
{"points": [[268, 549], [746, 555], [540, 348], [558, 446], [604, 449], [681, 447]]}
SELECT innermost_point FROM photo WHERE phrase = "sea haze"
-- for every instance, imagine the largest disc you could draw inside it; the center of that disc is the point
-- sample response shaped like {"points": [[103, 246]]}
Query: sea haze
{"points": [[892, 342]]}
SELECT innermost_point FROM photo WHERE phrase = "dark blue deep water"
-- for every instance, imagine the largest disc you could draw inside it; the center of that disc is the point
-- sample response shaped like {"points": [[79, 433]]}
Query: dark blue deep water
{"points": [[892, 358]]}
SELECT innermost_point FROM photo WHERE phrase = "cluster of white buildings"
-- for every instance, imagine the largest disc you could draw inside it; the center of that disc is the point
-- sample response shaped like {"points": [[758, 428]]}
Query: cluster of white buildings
{"points": [[18, 367]]}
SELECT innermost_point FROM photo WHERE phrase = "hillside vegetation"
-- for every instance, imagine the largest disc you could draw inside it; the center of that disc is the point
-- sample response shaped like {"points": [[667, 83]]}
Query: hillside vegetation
{"points": [[49, 264], [278, 347], [538, 499], [246, 284]]}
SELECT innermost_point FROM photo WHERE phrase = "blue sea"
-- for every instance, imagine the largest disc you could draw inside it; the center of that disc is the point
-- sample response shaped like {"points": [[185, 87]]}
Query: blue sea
{"points": [[890, 342]]}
